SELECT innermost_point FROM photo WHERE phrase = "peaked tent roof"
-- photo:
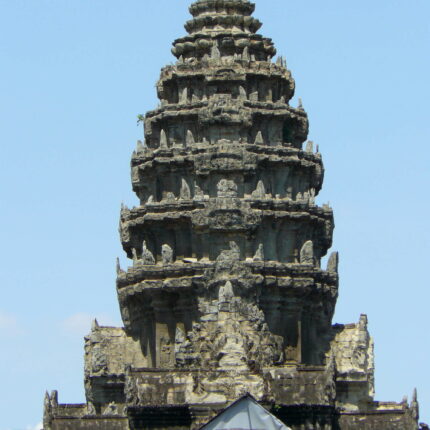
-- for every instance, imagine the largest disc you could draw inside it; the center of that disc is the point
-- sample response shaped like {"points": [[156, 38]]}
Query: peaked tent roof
{"points": [[245, 414]]}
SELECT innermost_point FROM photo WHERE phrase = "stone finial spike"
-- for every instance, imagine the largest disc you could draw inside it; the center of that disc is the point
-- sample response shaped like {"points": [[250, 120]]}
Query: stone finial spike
{"points": [[181, 59], [205, 58], [405, 400], [140, 147], [189, 140], [333, 263], [163, 139], [95, 325], [150, 199], [364, 321], [134, 254], [259, 255], [215, 53], [167, 254], [259, 139], [245, 54], [242, 92], [307, 253], [279, 61], [318, 149], [147, 256], [260, 191], [184, 95], [415, 408], [300, 106], [47, 400], [185, 193], [118, 266], [310, 147], [54, 398]]}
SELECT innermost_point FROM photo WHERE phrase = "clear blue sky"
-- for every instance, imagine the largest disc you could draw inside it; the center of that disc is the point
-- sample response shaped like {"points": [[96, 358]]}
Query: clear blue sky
{"points": [[75, 74]]}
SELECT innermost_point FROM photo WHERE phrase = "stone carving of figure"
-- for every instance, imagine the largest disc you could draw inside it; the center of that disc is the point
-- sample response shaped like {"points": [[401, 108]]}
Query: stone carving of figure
{"points": [[167, 254], [170, 197], [198, 193], [307, 253], [226, 188], [232, 254], [225, 293], [147, 257], [259, 255]]}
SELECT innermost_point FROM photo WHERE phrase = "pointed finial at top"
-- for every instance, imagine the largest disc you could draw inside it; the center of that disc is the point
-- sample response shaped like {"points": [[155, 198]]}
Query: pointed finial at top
{"points": [[95, 325], [300, 106]]}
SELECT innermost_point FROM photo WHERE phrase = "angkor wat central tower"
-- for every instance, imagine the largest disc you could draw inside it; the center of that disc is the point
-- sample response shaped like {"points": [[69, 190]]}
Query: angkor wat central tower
{"points": [[226, 295]]}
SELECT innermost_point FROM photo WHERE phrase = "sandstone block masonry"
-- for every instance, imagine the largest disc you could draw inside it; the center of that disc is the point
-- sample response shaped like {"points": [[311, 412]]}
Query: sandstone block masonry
{"points": [[225, 293]]}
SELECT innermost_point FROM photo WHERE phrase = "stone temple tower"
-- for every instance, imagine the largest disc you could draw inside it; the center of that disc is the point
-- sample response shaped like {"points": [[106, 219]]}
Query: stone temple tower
{"points": [[226, 295]]}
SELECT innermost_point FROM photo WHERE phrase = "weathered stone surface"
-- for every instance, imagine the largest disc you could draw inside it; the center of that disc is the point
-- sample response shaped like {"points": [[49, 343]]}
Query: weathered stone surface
{"points": [[226, 294]]}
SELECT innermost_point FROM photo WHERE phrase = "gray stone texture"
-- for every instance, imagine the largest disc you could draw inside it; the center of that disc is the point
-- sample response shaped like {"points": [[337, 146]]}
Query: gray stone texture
{"points": [[225, 294]]}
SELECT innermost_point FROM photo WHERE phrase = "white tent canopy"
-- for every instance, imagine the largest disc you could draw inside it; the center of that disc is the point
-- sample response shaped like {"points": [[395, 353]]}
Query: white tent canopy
{"points": [[245, 414]]}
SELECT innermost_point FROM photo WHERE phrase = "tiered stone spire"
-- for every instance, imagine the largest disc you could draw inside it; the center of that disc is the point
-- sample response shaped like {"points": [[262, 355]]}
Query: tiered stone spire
{"points": [[226, 294]]}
